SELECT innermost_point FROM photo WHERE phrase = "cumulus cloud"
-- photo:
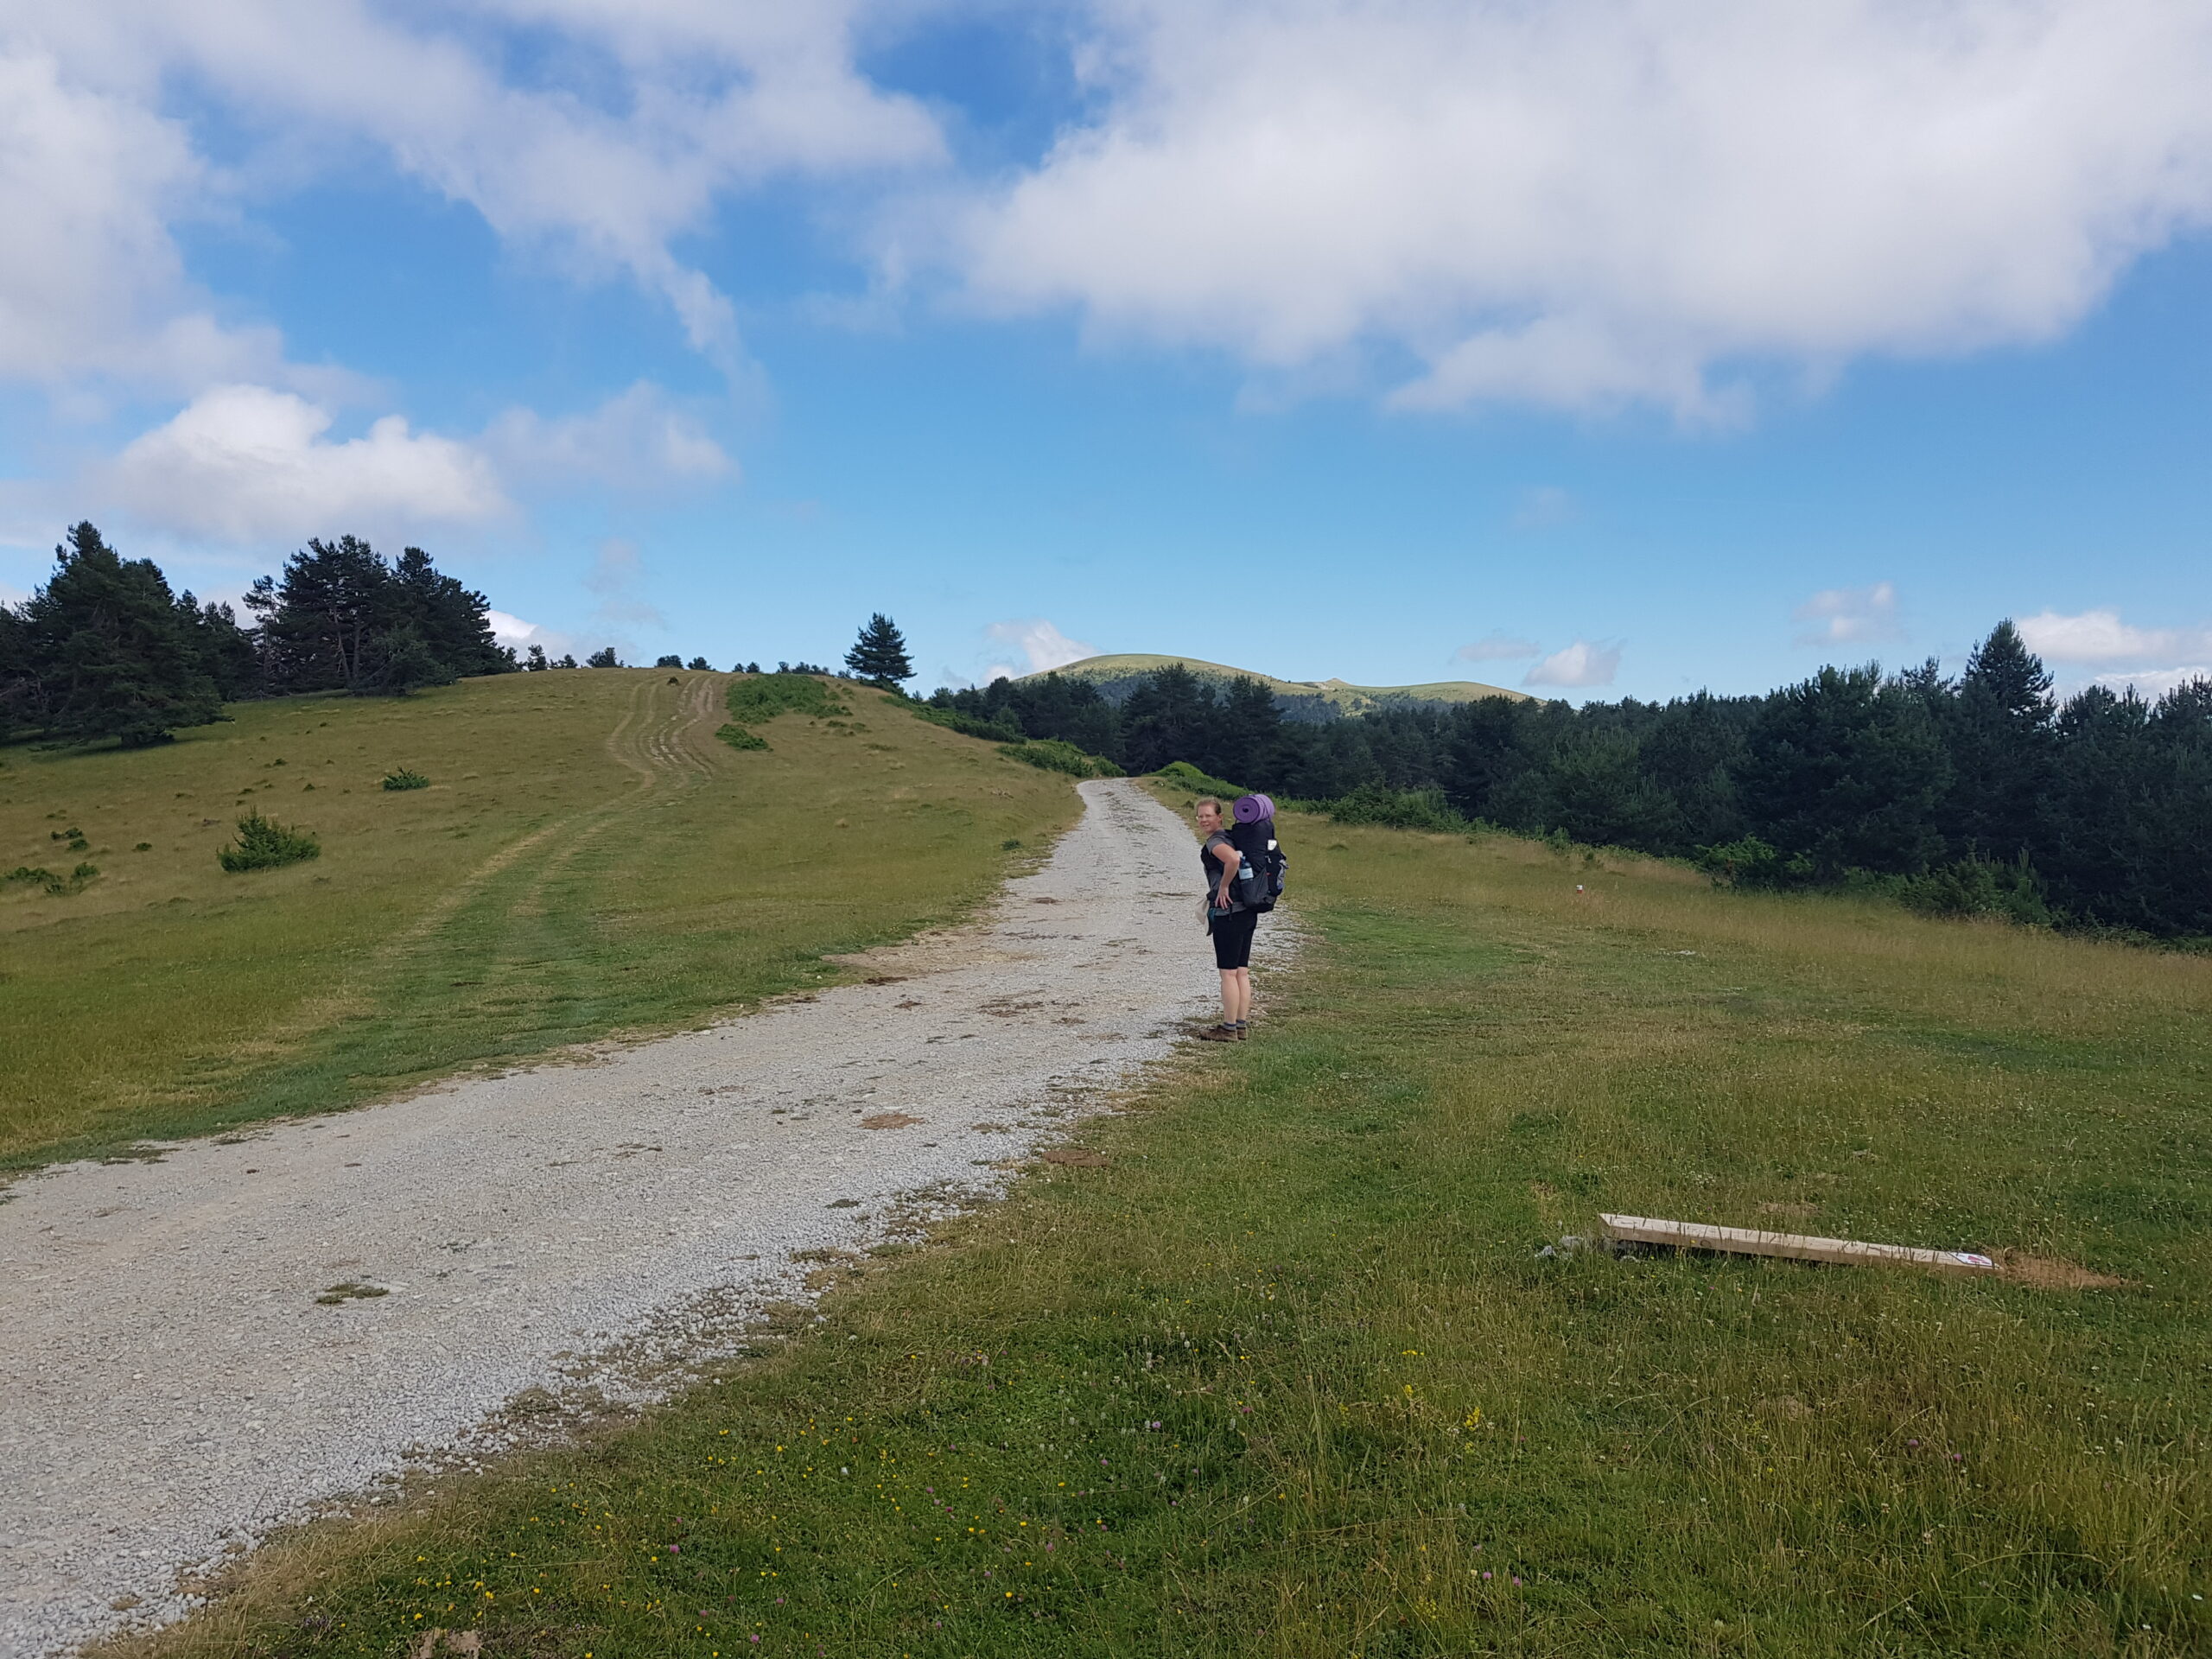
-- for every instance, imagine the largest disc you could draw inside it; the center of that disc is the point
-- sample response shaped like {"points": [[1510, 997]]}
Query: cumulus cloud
{"points": [[1849, 616], [249, 464], [2151, 683], [634, 440], [659, 108], [1581, 664], [244, 463], [1042, 647], [2152, 661], [91, 281], [1603, 201], [520, 635], [1495, 648], [2094, 637]]}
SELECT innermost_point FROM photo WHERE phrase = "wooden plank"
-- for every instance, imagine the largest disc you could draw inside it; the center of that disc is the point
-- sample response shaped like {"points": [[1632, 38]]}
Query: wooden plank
{"points": [[1747, 1241]]}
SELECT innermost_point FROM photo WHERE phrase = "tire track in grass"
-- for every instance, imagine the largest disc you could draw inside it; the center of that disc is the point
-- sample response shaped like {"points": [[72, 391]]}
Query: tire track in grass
{"points": [[470, 929]]}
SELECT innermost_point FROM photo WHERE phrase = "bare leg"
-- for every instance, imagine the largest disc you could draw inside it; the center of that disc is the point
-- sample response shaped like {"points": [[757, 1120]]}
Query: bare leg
{"points": [[1238, 997], [1229, 994]]}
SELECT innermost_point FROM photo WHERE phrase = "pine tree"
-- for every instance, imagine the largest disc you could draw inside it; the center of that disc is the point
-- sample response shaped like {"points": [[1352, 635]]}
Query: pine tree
{"points": [[880, 654], [109, 657], [2000, 732]]}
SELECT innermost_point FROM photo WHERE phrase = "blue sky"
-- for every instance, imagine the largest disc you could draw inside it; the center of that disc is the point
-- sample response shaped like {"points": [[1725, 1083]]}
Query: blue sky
{"points": [[1606, 349]]}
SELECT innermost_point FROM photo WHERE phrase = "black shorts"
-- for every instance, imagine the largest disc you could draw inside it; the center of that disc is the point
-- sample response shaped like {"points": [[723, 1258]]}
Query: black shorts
{"points": [[1232, 938]]}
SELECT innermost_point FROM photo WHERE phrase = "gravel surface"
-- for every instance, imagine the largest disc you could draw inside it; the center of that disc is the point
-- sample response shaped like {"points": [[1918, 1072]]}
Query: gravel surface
{"points": [[190, 1357]]}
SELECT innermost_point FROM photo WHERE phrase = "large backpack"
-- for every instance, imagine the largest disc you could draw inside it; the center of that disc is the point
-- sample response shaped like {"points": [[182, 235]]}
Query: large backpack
{"points": [[1260, 872]]}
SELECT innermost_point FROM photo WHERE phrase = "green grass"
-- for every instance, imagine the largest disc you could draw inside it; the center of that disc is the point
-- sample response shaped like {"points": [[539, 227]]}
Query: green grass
{"points": [[1284, 1377], [585, 861]]}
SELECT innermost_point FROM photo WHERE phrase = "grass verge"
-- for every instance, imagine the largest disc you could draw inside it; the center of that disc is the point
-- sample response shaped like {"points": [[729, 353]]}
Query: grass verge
{"points": [[580, 859], [1282, 1377]]}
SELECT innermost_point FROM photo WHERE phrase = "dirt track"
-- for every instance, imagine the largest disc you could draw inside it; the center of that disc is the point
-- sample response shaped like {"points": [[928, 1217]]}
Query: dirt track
{"points": [[190, 1357]]}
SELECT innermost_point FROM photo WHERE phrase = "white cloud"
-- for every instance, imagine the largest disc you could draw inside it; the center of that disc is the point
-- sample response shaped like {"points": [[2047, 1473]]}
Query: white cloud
{"points": [[653, 110], [634, 440], [2101, 637], [244, 463], [91, 282], [1581, 664], [1850, 616], [1495, 648], [1601, 201], [2151, 683], [520, 636], [1042, 646]]}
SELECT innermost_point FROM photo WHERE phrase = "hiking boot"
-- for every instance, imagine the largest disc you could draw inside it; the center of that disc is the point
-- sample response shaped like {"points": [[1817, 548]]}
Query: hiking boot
{"points": [[1220, 1034]]}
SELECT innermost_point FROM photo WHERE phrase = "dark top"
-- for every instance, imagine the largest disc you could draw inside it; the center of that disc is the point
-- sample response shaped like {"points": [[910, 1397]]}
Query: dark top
{"points": [[1213, 866]]}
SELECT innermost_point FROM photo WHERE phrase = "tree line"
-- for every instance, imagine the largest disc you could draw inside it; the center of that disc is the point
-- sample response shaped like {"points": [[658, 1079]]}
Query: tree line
{"points": [[106, 650], [1978, 793]]}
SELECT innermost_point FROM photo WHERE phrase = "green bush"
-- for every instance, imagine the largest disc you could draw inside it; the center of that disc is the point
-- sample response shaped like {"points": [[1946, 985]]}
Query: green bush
{"points": [[264, 844], [1980, 886], [758, 698], [1751, 862], [1399, 809], [39, 876], [405, 778], [1050, 754], [1184, 775], [1001, 730]]}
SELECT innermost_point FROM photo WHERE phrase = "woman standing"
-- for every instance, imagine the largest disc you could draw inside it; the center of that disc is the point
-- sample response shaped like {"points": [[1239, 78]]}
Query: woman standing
{"points": [[1229, 924]]}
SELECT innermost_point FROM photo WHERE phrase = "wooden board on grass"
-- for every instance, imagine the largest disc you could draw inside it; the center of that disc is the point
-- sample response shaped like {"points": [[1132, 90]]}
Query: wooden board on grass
{"points": [[1748, 1241]]}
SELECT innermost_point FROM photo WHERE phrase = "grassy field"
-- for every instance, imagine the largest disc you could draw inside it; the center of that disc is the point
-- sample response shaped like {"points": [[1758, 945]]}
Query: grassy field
{"points": [[1284, 1377], [587, 858]]}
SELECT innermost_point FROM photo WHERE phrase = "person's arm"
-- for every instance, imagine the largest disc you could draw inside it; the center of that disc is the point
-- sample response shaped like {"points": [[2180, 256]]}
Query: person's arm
{"points": [[1230, 858]]}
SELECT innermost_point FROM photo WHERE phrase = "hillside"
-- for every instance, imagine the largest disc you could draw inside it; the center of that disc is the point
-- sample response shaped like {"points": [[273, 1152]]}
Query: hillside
{"points": [[1309, 699], [587, 858]]}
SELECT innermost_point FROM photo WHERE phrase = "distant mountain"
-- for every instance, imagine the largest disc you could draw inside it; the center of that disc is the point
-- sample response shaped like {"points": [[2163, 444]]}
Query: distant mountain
{"points": [[1312, 700]]}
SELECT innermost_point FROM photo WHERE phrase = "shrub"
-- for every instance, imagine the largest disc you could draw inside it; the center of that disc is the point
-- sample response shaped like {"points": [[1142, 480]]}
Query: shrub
{"points": [[1751, 862], [1184, 775], [1003, 729], [405, 778], [603, 657], [39, 876], [1050, 754], [1398, 809], [264, 844], [670, 661], [1980, 886], [756, 700]]}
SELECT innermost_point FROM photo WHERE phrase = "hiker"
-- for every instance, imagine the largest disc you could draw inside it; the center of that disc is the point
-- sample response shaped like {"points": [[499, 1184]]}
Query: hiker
{"points": [[1229, 923]]}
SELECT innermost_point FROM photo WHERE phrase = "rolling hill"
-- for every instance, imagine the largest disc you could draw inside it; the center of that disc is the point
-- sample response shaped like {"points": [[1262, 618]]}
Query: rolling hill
{"points": [[585, 859], [1307, 699]]}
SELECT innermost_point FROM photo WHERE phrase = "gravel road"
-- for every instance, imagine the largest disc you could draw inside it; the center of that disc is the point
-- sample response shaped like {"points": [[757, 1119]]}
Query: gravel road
{"points": [[189, 1357]]}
